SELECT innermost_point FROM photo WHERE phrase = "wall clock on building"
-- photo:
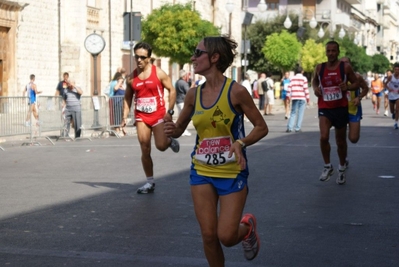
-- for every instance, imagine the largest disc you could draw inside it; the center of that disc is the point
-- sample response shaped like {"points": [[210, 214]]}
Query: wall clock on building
{"points": [[94, 43]]}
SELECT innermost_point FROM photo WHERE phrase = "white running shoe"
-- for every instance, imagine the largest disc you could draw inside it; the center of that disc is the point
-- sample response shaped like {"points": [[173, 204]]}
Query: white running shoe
{"points": [[346, 164], [386, 113], [341, 179], [186, 133], [326, 174], [147, 188]]}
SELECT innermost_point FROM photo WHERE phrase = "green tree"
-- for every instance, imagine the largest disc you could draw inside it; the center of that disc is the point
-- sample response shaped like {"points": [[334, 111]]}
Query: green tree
{"points": [[257, 33], [312, 54], [175, 30], [380, 63], [361, 62], [283, 50]]}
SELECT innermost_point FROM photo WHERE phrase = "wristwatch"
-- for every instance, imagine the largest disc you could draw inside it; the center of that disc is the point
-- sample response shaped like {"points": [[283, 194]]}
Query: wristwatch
{"points": [[171, 112], [241, 143]]}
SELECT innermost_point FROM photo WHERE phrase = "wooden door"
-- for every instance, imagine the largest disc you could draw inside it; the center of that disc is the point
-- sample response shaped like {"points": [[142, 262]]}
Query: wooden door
{"points": [[1, 77], [4, 51]]}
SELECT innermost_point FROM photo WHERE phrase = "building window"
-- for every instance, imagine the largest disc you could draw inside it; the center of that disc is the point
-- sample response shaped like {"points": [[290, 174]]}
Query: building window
{"points": [[272, 4]]}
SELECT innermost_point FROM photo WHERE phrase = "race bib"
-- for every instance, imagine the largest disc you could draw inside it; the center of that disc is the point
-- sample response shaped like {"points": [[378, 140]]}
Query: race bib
{"points": [[146, 104], [214, 151], [332, 93]]}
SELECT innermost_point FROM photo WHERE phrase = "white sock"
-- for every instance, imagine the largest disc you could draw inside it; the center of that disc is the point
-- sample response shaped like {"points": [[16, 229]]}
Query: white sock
{"points": [[150, 180], [328, 165], [341, 168]]}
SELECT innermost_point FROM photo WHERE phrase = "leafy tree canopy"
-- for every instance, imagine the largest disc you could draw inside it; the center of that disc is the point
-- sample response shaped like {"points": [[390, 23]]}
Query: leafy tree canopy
{"points": [[174, 31], [312, 54], [282, 50], [380, 63], [257, 33], [361, 62]]}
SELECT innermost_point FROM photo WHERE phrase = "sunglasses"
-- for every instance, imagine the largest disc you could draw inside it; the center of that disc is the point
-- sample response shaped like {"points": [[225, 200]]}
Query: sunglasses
{"points": [[199, 52], [140, 57]]}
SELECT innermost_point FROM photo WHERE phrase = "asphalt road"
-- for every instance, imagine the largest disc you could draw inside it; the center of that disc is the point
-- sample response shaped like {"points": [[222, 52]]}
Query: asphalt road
{"points": [[74, 203]]}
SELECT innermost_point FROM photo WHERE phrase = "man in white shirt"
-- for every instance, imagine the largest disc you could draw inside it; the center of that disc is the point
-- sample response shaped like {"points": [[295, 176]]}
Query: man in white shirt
{"points": [[269, 97]]}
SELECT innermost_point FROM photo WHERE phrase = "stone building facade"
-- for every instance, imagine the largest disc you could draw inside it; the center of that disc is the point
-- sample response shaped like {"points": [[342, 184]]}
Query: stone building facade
{"points": [[46, 38]]}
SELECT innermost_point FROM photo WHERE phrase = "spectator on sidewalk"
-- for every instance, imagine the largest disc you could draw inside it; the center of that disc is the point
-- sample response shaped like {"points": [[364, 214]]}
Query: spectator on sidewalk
{"points": [[247, 83], [59, 92], [62, 85], [285, 83], [269, 95], [122, 71], [72, 107], [182, 88], [200, 81], [116, 97], [298, 93], [261, 93], [255, 89]]}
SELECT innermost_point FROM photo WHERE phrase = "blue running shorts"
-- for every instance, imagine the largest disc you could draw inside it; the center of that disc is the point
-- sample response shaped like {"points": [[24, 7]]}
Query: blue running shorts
{"points": [[223, 186], [358, 116], [283, 94]]}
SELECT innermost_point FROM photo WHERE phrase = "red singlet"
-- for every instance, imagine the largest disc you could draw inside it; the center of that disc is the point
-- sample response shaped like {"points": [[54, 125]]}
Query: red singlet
{"points": [[332, 96], [149, 98]]}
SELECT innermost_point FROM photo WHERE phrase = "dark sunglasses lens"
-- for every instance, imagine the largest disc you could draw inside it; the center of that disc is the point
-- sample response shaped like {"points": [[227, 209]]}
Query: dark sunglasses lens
{"points": [[197, 53], [140, 57]]}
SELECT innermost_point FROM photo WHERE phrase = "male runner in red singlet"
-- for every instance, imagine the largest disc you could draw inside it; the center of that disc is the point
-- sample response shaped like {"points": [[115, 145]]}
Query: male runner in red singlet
{"points": [[147, 84], [330, 86]]}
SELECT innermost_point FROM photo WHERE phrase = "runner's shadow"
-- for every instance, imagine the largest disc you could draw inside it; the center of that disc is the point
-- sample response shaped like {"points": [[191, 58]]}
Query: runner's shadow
{"points": [[108, 185]]}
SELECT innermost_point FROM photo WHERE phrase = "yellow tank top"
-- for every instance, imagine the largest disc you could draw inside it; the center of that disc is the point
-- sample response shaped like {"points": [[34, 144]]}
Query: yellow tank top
{"points": [[218, 126], [352, 109]]}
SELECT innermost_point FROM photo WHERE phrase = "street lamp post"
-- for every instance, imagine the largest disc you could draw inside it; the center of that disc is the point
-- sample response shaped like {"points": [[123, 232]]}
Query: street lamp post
{"points": [[313, 24], [247, 21], [262, 7], [341, 33], [230, 8]]}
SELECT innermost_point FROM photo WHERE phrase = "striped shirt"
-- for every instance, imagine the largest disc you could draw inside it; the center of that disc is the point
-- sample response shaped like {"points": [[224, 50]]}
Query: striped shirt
{"points": [[72, 99], [298, 88]]}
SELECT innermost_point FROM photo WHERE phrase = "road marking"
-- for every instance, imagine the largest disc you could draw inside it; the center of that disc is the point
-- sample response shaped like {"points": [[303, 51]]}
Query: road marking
{"points": [[386, 176]]}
